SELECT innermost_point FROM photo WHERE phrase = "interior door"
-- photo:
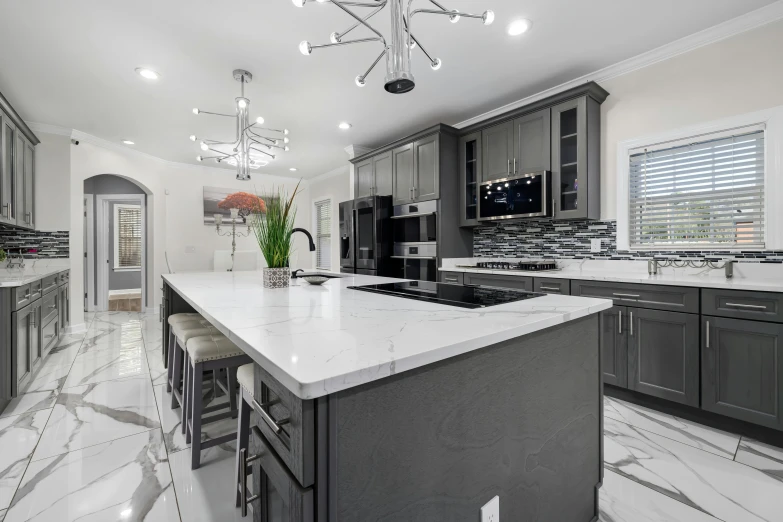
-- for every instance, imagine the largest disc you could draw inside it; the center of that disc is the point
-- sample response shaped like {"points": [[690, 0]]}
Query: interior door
{"points": [[426, 168], [382, 173], [614, 346], [532, 140], [497, 151], [402, 167]]}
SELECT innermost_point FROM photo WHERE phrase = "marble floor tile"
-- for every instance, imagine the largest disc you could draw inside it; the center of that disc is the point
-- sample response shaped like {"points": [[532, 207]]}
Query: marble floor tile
{"points": [[18, 437], [111, 343], [623, 500], [107, 365], [171, 420], [51, 375], [717, 486], [69, 343], [158, 372], [95, 413], [2, 515], [28, 402], [125, 479], [206, 494], [708, 439], [763, 457]]}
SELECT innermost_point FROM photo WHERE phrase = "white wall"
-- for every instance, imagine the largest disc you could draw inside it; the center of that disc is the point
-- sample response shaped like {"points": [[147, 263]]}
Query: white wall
{"points": [[336, 186], [52, 171], [735, 76]]}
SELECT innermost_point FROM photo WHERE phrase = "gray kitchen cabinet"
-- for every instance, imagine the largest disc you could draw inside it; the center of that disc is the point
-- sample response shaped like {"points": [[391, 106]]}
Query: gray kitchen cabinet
{"points": [[663, 354], [455, 278], [532, 143], [29, 184], [614, 345], [469, 176], [26, 343], [576, 159], [364, 179], [426, 168], [65, 308], [518, 282], [742, 370], [552, 286], [382, 174], [497, 151], [7, 170], [402, 174]]}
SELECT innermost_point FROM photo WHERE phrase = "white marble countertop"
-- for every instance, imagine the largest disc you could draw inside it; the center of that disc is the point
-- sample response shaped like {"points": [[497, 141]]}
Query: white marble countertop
{"points": [[16, 277], [318, 340], [747, 276]]}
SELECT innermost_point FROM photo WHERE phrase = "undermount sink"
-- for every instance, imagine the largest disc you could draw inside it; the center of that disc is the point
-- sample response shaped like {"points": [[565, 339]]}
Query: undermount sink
{"points": [[322, 274]]}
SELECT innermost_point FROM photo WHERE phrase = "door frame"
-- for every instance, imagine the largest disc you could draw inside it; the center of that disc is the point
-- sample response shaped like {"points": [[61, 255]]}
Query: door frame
{"points": [[89, 252], [103, 203]]}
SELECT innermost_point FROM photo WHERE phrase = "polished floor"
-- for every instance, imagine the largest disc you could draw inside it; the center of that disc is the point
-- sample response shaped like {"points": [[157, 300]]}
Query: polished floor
{"points": [[94, 439]]}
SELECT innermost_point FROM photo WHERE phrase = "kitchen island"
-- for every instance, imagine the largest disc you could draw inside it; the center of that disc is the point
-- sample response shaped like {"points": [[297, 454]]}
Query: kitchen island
{"points": [[399, 409]]}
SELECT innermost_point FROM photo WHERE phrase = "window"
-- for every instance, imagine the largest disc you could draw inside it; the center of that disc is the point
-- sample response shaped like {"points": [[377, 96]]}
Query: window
{"points": [[323, 234], [705, 192], [127, 236]]}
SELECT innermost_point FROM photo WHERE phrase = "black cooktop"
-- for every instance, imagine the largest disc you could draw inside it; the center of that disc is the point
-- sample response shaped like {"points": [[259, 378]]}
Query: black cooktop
{"points": [[464, 296]]}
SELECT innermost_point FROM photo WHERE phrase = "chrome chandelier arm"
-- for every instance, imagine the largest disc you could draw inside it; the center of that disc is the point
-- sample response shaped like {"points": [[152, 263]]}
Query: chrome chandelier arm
{"points": [[342, 5], [484, 16], [335, 36], [199, 112], [360, 80], [263, 152], [338, 44], [418, 43]]}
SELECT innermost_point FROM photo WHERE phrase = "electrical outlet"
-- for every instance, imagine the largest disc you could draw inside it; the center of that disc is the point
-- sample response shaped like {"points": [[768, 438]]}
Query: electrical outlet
{"points": [[491, 510], [595, 245]]}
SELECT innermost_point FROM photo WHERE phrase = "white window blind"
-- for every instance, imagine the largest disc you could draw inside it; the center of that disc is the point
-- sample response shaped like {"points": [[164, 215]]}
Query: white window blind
{"points": [[703, 194], [323, 234], [127, 234]]}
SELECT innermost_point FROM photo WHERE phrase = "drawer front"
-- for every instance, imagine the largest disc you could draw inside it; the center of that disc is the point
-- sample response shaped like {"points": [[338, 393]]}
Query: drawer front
{"points": [[49, 308], [22, 296], [741, 304], [288, 424], [517, 282], [455, 278], [552, 286], [64, 277], [50, 283], [656, 297], [49, 336], [36, 290]]}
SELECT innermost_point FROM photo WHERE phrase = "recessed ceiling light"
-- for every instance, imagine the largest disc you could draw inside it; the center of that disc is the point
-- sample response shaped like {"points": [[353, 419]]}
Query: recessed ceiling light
{"points": [[128, 142], [518, 27], [292, 169], [147, 73], [345, 125]]}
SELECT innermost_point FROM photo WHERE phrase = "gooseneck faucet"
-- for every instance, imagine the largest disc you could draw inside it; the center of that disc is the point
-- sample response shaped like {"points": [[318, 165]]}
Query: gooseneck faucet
{"points": [[309, 237]]}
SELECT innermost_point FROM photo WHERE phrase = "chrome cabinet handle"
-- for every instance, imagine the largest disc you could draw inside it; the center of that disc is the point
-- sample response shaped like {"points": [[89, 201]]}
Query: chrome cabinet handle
{"points": [[52, 306], [620, 322], [508, 166], [551, 289], [272, 423], [450, 279], [748, 306], [633, 296], [515, 165], [708, 334], [631, 320]]}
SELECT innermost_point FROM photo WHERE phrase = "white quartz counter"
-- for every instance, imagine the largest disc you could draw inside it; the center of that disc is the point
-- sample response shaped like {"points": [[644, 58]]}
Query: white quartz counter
{"points": [[18, 277], [747, 276], [318, 340]]}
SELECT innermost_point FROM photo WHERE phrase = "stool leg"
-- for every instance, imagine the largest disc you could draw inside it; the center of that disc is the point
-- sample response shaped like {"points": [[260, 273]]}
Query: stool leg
{"points": [[170, 367], [187, 398], [196, 399], [231, 385], [176, 374], [243, 436]]}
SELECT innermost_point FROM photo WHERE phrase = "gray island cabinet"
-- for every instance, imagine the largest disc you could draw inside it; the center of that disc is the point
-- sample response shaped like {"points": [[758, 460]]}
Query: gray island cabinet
{"points": [[370, 407]]}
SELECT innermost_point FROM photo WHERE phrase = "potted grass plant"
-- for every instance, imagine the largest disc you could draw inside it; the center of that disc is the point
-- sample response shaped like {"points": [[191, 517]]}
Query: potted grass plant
{"points": [[273, 227]]}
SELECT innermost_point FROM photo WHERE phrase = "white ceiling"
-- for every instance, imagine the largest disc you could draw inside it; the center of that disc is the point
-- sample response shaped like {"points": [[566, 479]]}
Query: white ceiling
{"points": [[71, 64]]}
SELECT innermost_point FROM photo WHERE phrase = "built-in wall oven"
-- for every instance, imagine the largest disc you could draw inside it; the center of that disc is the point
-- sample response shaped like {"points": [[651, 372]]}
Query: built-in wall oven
{"points": [[372, 244], [528, 195], [415, 241]]}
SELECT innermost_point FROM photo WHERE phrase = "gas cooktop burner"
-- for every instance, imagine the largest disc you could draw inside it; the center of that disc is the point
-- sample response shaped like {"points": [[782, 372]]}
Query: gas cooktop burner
{"points": [[523, 266]]}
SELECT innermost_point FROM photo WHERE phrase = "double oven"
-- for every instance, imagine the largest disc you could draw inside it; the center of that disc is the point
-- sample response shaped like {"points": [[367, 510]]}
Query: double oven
{"points": [[415, 251], [365, 235]]}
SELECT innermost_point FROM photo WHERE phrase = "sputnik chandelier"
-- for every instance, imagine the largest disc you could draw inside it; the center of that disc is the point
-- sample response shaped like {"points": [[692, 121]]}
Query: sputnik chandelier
{"points": [[246, 151], [399, 78]]}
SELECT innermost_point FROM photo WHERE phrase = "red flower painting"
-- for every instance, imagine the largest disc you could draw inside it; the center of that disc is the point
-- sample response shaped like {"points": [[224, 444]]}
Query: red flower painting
{"points": [[244, 201]]}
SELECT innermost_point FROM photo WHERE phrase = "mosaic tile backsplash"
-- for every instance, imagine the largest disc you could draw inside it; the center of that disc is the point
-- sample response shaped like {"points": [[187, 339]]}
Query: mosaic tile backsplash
{"points": [[34, 244], [544, 238]]}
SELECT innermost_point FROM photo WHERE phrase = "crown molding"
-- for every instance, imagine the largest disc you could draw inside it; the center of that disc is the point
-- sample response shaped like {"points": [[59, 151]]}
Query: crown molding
{"points": [[747, 22], [49, 129], [354, 151], [339, 171]]}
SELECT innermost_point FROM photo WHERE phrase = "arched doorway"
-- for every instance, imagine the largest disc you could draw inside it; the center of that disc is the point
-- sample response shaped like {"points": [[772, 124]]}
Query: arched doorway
{"points": [[115, 244]]}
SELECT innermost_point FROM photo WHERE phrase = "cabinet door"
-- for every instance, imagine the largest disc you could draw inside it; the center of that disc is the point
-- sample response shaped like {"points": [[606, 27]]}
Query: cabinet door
{"points": [[21, 347], [29, 183], [426, 168], [364, 179], [36, 344], [742, 370], [65, 308], [519, 282], [532, 140], [663, 354], [7, 171], [469, 175], [569, 159], [614, 345], [382, 174], [402, 169], [19, 197], [497, 151]]}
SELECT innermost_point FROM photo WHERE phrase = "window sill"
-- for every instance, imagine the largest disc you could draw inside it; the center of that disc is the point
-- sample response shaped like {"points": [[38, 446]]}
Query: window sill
{"points": [[126, 269]]}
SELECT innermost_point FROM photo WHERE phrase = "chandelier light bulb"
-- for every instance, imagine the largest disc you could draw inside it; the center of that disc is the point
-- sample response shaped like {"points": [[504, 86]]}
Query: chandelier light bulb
{"points": [[436, 64], [455, 17], [413, 44], [195, 111], [199, 158], [260, 120], [305, 48], [286, 140], [204, 146], [360, 81], [299, 3], [242, 103], [488, 17], [334, 37], [286, 149], [193, 137], [285, 131]]}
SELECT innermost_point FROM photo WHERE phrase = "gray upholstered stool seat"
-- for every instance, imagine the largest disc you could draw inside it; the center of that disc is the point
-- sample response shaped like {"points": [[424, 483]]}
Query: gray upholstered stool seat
{"points": [[179, 318], [213, 352], [170, 349], [246, 379]]}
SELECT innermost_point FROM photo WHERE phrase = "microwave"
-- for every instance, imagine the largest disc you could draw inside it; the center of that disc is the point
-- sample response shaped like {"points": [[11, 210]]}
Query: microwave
{"points": [[524, 196]]}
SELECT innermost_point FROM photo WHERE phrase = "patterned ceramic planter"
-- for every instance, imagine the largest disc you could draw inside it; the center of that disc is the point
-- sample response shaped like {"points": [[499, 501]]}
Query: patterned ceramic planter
{"points": [[276, 277]]}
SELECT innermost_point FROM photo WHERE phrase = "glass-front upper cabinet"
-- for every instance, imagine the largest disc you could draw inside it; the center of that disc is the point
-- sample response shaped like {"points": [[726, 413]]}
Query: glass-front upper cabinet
{"points": [[575, 159], [470, 175]]}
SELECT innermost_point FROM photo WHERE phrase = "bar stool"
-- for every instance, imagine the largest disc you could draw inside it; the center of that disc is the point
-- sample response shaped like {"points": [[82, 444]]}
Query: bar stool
{"points": [[210, 353], [184, 331], [246, 379], [175, 319]]}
